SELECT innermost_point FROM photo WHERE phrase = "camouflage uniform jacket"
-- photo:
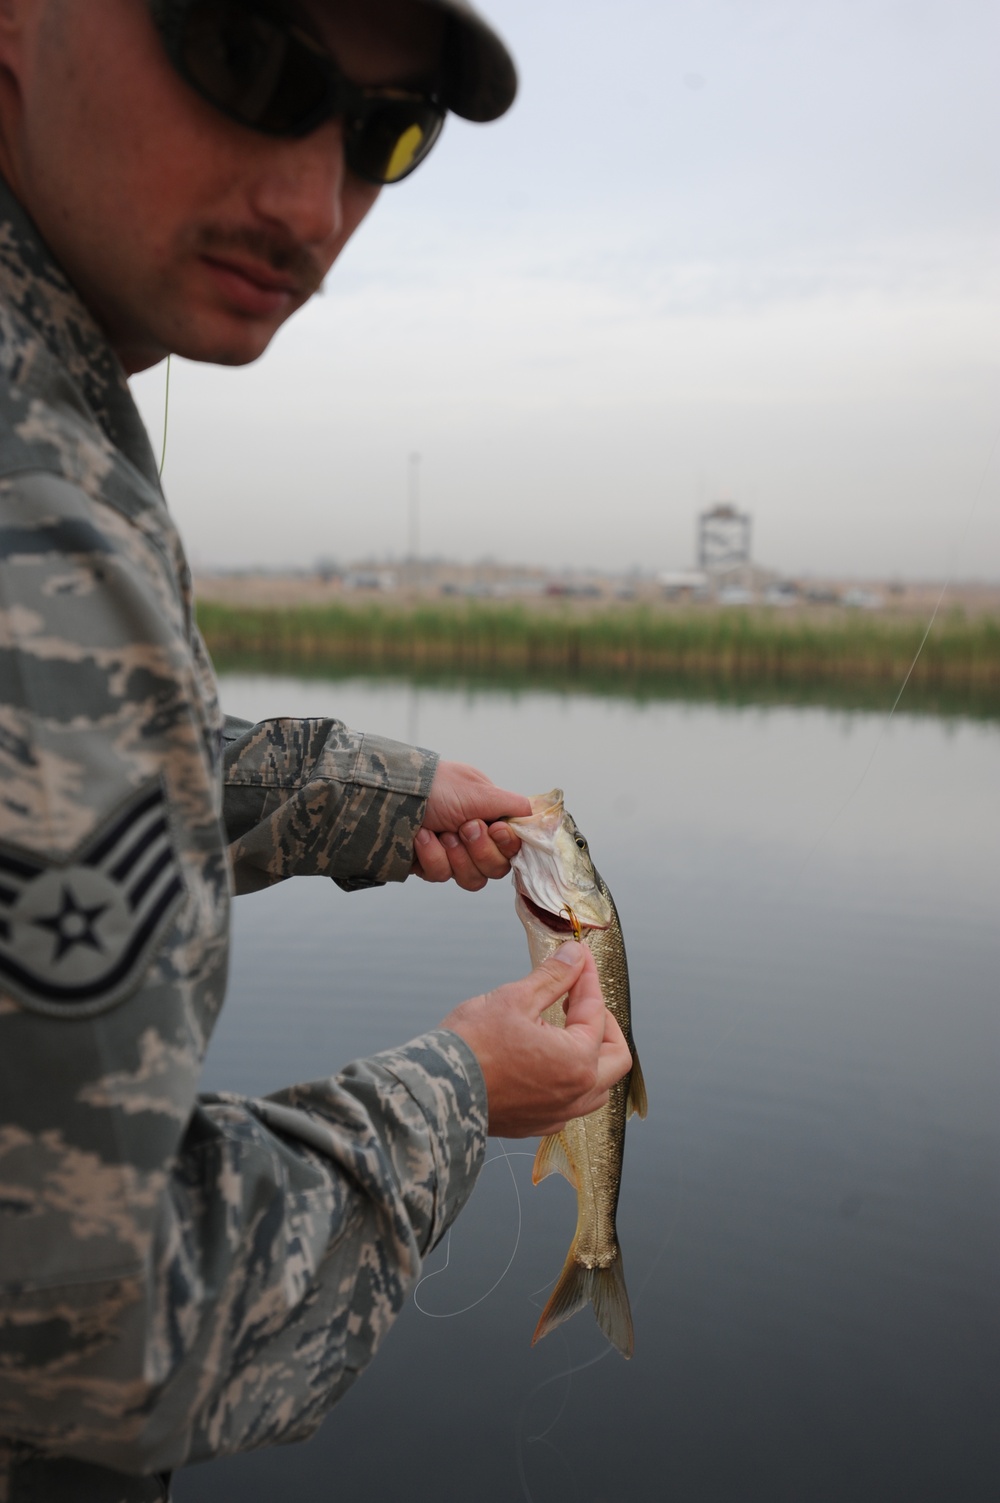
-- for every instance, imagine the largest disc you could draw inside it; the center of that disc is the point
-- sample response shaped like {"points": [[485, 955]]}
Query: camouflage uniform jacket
{"points": [[180, 1277]]}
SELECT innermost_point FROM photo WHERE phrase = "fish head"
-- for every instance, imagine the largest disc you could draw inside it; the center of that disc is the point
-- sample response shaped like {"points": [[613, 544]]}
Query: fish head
{"points": [[553, 871]]}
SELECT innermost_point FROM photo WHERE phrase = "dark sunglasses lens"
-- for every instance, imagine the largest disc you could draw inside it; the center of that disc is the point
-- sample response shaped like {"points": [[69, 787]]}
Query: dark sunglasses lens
{"points": [[249, 64], [391, 138], [251, 67]]}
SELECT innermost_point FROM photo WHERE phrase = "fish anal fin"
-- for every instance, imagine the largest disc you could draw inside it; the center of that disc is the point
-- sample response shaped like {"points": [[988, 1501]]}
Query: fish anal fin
{"points": [[636, 1104], [604, 1288], [552, 1158]]}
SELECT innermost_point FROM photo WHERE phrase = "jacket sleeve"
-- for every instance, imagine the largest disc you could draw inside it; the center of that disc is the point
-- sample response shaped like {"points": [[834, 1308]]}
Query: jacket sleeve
{"points": [[313, 798], [179, 1277]]}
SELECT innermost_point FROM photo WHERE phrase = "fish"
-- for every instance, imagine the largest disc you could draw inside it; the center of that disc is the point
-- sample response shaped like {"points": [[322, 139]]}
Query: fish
{"points": [[558, 894]]}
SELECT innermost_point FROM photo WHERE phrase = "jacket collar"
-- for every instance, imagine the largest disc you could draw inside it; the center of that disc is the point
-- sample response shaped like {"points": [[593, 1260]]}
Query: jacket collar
{"points": [[37, 288]]}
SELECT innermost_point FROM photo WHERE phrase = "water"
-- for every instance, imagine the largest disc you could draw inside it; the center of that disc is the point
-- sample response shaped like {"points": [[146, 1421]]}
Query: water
{"points": [[810, 1214]]}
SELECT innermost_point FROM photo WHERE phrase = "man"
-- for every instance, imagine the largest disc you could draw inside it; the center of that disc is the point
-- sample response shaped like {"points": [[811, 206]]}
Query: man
{"points": [[182, 1277]]}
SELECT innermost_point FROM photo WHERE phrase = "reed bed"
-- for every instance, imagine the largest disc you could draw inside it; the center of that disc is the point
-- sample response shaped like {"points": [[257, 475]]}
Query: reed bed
{"points": [[720, 646]]}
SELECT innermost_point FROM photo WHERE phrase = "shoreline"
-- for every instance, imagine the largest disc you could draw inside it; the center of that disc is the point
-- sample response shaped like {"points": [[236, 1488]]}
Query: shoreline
{"points": [[728, 647]]}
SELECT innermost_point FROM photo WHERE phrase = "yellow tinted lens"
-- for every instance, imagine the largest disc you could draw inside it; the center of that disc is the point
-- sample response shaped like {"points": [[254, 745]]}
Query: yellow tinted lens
{"points": [[403, 153], [390, 135]]}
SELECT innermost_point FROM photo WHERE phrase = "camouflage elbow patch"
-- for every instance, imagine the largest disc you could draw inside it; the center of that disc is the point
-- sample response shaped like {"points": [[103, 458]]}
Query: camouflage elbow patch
{"points": [[74, 934]]}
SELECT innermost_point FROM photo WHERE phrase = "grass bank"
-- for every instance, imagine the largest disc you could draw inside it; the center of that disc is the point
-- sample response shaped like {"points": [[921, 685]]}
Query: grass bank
{"points": [[725, 649]]}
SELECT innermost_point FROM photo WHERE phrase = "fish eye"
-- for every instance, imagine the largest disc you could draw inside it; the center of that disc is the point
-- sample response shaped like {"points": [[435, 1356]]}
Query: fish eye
{"points": [[581, 842]]}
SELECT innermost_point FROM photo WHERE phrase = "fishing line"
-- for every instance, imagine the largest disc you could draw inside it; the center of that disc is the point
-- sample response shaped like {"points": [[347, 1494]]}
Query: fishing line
{"points": [[569, 1374], [956, 554], [451, 1314], [166, 415], [680, 1190], [526, 1490], [541, 1437]]}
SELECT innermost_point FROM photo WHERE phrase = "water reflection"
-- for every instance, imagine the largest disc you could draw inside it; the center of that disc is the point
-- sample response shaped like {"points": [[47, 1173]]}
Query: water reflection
{"points": [[969, 702], [810, 1215]]}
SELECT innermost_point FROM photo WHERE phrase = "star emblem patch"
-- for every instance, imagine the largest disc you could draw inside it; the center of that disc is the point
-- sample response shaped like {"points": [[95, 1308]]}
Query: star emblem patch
{"points": [[74, 935], [73, 925]]}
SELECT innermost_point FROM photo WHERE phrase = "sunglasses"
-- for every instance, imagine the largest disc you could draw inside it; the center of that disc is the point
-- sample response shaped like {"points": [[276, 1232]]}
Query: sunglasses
{"points": [[253, 63]]}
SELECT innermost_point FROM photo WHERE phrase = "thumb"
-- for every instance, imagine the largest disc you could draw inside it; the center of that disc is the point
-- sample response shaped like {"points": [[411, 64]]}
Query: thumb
{"points": [[586, 1014], [502, 804], [558, 974]]}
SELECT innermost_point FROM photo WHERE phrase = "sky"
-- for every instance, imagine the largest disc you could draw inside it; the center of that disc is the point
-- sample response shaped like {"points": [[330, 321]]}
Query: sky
{"points": [[720, 250]]}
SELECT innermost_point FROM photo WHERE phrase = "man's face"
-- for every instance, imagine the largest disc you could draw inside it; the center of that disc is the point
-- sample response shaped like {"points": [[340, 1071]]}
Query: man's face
{"points": [[182, 230]]}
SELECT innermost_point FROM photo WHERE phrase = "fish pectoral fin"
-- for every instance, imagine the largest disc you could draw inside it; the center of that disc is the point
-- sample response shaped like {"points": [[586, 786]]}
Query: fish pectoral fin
{"points": [[636, 1105], [604, 1288], [552, 1158]]}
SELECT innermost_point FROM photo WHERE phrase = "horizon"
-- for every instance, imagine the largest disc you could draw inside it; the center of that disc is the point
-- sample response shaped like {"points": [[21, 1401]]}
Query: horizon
{"points": [[649, 574]]}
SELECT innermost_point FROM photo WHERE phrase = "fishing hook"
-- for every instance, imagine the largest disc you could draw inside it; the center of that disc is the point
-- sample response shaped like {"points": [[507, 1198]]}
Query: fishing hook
{"points": [[573, 921]]}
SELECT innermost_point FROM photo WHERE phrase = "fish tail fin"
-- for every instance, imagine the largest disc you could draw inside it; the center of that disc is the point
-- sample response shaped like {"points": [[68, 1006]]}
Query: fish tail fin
{"points": [[637, 1104], [604, 1288]]}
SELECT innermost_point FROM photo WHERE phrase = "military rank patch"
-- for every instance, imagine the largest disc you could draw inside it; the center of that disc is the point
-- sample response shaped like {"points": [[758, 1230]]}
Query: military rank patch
{"points": [[74, 935]]}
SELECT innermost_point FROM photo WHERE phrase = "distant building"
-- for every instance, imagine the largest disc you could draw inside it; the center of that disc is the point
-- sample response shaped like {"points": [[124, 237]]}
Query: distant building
{"points": [[578, 589], [862, 600], [684, 584], [370, 579], [724, 552]]}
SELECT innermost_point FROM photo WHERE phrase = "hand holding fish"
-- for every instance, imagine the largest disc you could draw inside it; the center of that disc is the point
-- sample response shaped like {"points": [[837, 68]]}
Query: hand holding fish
{"points": [[539, 1077], [463, 836]]}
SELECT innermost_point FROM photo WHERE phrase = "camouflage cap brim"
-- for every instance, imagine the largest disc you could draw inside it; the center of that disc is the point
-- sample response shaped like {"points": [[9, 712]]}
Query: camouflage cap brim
{"points": [[481, 80]]}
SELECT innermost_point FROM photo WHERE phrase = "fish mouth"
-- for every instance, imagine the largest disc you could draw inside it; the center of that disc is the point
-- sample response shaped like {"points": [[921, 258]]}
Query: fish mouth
{"points": [[557, 922], [553, 921]]}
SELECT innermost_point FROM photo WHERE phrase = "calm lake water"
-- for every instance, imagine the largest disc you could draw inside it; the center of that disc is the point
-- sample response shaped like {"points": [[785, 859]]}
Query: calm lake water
{"points": [[810, 1214]]}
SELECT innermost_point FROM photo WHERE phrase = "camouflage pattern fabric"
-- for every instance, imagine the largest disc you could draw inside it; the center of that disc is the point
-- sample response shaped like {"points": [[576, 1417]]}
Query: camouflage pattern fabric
{"points": [[310, 797], [180, 1277]]}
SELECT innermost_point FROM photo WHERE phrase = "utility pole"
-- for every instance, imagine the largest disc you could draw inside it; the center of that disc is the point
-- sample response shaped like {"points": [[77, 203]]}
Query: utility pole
{"points": [[415, 518]]}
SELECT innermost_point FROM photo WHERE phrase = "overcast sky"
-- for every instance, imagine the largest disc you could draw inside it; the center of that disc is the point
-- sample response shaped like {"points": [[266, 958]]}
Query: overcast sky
{"points": [[720, 249]]}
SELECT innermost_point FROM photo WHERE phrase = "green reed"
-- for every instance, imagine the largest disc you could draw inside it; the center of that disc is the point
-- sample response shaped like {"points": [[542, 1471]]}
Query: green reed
{"points": [[722, 647]]}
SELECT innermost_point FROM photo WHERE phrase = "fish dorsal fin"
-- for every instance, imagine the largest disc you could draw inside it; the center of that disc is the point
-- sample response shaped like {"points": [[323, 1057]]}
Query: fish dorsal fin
{"points": [[552, 1158], [636, 1105]]}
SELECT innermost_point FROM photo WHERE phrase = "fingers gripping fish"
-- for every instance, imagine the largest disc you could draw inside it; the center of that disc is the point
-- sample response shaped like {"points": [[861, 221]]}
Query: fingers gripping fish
{"points": [[559, 893]]}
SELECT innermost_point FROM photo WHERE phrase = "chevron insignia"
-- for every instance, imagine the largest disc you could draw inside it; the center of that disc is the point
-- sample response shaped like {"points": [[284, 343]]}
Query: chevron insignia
{"points": [[74, 934]]}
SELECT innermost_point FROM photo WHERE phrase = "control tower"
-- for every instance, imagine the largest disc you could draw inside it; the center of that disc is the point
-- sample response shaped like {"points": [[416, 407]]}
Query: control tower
{"points": [[724, 545]]}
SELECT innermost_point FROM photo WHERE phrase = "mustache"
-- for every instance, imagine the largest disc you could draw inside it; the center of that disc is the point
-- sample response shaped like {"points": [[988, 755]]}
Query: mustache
{"points": [[282, 255]]}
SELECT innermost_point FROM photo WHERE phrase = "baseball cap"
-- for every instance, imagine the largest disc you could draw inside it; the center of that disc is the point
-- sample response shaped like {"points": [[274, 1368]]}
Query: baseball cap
{"points": [[480, 77]]}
